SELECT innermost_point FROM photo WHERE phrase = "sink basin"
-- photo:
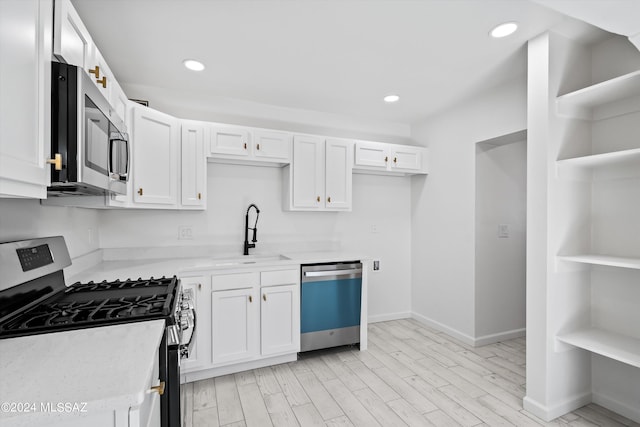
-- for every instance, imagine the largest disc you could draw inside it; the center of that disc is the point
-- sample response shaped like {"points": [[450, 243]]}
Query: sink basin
{"points": [[249, 259]]}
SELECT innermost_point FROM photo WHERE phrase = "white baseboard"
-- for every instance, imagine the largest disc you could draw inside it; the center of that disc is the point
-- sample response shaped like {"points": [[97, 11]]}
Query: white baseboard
{"points": [[631, 412], [443, 328], [389, 316], [548, 413], [502, 336]]}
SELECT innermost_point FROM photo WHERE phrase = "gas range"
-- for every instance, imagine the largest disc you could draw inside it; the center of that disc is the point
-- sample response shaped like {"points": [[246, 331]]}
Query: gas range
{"points": [[34, 299]]}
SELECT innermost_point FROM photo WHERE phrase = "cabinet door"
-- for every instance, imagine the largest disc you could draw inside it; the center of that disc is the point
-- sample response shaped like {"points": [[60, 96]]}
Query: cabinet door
{"points": [[406, 158], [200, 354], [234, 322], [338, 174], [155, 138], [308, 172], [372, 154], [229, 141], [194, 165], [280, 319], [272, 146], [25, 105], [71, 40]]}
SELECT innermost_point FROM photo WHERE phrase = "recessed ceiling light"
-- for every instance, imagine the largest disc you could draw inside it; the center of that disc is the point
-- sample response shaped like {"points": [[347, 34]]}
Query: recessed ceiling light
{"points": [[504, 30], [193, 65], [391, 98]]}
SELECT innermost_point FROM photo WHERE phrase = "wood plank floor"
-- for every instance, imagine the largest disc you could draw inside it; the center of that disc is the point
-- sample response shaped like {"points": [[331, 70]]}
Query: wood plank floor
{"points": [[410, 376]]}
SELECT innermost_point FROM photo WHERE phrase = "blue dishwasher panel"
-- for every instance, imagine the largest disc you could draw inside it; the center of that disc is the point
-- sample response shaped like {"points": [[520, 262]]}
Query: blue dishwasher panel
{"points": [[330, 304]]}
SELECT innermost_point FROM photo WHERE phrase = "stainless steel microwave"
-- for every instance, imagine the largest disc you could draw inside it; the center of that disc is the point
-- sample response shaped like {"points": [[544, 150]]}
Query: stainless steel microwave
{"points": [[88, 141]]}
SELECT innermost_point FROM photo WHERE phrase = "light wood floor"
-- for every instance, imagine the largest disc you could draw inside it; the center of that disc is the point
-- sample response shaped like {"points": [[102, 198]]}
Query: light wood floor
{"points": [[411, 375]]}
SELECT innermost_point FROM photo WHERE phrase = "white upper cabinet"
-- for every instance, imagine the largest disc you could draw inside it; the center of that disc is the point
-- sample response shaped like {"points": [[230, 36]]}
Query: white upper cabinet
{"points": [[72, 43], [193, 171], [338, 174], [25, 104], [233, 141], [241, 145], [271, 146], [319, 177], [381, 157], [156, 152]]}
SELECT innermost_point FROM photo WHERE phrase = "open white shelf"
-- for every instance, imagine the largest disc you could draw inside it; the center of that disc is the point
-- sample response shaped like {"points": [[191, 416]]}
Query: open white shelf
{"points": [[601, 93], [622, 348], [611, 261], [612, 158]]}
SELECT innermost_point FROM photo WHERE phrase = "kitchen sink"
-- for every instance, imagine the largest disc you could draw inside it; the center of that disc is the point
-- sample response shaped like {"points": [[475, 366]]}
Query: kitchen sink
{"points": [[249, 259]]}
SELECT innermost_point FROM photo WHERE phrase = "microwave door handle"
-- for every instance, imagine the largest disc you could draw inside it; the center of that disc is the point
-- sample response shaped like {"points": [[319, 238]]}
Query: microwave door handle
{"points": [[122, 176]]}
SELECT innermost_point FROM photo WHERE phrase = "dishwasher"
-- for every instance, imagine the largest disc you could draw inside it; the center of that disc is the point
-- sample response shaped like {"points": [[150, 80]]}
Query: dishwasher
{"points": [[330, 300]]}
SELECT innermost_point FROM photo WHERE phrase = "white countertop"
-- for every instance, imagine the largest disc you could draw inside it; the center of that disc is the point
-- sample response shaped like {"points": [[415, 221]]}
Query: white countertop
{"points": [[107, 367], [158, 267]]}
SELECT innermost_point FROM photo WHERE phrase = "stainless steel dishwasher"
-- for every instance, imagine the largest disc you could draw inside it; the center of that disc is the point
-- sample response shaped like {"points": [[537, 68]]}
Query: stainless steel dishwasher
{"points": [[330, 300]]}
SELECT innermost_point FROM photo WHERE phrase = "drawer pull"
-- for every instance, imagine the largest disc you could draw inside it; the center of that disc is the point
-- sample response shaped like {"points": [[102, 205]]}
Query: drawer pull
{"points": [[264, 297], [56, 162], [258, 147], [140, 191], [250, 298], [95, 72], [158, 388], [102, 81]]}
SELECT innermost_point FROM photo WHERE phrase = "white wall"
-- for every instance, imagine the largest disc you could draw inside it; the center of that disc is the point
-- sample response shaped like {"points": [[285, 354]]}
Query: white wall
{"points": [[24, 219], [501, 191], [443, 205], [380, 200]]}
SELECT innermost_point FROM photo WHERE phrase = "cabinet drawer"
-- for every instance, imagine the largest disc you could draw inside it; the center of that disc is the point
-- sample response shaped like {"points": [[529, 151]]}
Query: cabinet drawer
{"points": [[235, 281], [281, 277]]}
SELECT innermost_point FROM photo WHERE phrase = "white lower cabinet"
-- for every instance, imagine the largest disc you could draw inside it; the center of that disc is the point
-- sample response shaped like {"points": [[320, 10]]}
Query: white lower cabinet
{"points": [[252, 320], [234, 324]]}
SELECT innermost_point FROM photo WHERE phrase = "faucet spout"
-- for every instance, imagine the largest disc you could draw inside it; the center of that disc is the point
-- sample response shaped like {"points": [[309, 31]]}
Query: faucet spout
{"points": [[248, 245]]}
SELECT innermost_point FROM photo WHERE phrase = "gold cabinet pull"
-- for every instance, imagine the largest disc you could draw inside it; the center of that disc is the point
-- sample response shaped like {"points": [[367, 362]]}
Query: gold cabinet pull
{"points": [[56, 161], [199, 286], [395, 160], [158, 388], [140, 191], [102, 81], [245, 145], [386, 159], [318, 199], [95, 72], [258, 147], [250, 298], [199, 196], [264, 297], [329, 199]]}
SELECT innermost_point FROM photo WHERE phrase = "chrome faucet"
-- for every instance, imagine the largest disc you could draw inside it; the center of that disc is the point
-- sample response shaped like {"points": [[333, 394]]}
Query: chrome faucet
{"points": [[248, 245]]}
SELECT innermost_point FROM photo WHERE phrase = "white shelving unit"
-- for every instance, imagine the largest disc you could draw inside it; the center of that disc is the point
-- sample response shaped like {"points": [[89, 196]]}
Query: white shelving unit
{"points": [[606, 159], [609, 344], [579, 103], [610, 261]]}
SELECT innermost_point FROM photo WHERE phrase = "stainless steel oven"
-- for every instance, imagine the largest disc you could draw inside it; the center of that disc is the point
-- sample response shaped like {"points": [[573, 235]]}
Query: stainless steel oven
{"points": [[88, 140], [34, 299]]}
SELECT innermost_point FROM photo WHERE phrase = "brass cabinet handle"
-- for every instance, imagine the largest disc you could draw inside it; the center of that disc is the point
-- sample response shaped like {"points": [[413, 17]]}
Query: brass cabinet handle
{"points": [[199, 286], [140, 191], [258, 147], [199, 196], [395, 160], [95, 72], [264, 297], [386, 159], [245, 145], [318, 199], [56, 161], [250, 298], [158, 388], [329, 199], [102, 81]]}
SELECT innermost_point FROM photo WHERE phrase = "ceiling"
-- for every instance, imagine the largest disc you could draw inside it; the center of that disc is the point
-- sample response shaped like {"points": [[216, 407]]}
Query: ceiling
{"points": [[335, 56]]}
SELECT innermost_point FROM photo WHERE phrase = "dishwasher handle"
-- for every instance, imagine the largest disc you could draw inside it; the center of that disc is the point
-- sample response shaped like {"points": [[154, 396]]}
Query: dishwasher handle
{"points": [[332, 273]]}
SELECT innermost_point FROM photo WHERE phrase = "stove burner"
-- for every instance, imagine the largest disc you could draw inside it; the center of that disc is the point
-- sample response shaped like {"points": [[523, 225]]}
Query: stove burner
{"points": [[97, 304]]}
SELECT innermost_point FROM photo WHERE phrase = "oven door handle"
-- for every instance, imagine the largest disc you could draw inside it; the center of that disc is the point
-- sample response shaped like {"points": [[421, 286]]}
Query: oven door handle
{"points": [[185, 349], [332, 272]]}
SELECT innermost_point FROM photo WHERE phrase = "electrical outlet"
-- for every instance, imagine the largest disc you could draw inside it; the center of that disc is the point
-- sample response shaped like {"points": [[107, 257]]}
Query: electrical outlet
{"points": [[503, 231], [376, 265], [374, 228], [185, 232]]}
